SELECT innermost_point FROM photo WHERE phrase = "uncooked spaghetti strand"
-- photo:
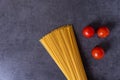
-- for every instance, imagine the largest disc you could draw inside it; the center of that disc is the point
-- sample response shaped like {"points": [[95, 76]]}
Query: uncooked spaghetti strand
{"points": [[67, 57], [71, 44], [65, 39], [81, 68], [60, 55], [71, 51], [78, 54], [73, 55], [76, 57], [49, 49], [63, 46], [60, 42]]}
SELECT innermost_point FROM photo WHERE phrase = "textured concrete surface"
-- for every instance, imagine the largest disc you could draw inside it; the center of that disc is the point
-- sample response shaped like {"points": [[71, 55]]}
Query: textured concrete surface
{"points": [[24, 22]]}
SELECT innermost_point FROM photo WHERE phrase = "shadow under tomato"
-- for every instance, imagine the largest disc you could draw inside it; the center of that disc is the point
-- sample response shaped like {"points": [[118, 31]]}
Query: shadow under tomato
{"points": [[105, 45], [98, 23]]}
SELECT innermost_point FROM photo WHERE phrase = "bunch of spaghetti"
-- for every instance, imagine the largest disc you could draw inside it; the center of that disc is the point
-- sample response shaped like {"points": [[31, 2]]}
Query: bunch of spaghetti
{"points": [[62, 47]]}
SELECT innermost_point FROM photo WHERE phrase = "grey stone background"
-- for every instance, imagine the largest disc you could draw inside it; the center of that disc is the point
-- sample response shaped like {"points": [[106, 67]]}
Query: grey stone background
{"points": [[24, 22]]}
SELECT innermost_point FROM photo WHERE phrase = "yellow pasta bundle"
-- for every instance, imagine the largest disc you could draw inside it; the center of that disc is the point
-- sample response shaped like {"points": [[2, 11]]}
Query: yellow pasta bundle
{"points": [[62, 47]]}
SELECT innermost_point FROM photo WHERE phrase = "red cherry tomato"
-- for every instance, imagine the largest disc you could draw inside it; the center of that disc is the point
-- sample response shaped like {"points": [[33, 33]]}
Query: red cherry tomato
{"points": [[103, 32], [98, 53], [88, 32]]}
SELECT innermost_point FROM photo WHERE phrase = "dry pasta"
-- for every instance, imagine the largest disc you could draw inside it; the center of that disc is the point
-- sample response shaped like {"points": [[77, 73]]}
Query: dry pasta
{"points": [[62, 47]]}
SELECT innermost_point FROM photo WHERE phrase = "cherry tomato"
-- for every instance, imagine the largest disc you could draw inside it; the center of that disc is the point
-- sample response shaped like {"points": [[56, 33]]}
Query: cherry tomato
{"points": [[98, 53], [103, 32], [88, 32]]}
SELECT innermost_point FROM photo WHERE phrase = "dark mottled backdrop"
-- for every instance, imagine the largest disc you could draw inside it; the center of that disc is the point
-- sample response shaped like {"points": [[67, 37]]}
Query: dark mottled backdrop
{"points": [[24, 22]]}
